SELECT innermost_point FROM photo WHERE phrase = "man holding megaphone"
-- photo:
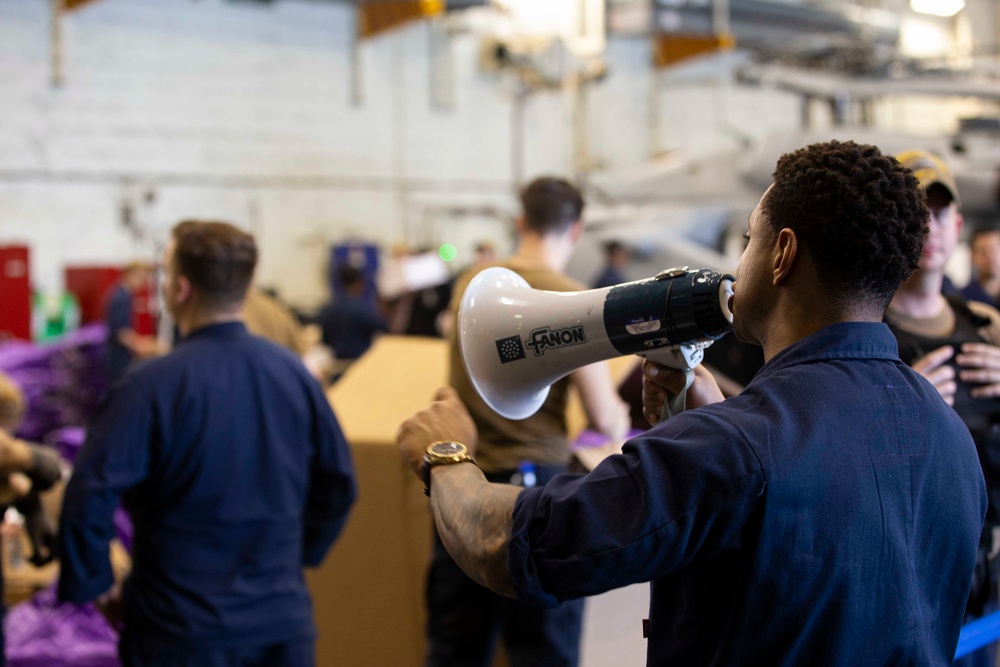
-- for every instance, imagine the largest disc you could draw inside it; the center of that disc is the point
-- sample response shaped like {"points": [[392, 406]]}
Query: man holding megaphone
{"points": [[829, 514]]}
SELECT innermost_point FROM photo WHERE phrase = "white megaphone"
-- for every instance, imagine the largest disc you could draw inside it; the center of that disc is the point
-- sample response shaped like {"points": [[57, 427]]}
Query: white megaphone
{"points": [[517, 341]]}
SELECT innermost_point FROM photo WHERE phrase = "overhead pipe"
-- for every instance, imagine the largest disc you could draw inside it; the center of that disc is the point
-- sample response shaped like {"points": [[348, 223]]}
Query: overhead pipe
{"points": [[261, 182]]}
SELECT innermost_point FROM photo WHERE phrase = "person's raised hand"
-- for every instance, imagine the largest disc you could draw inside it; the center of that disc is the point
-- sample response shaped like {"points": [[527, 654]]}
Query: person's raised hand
{"points": [[660, 383], [445, 419], [979, 364], [15, 455], [933, 366]]}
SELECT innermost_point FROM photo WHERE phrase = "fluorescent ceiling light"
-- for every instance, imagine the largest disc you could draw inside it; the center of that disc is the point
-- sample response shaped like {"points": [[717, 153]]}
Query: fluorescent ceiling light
{"points": [[938, 7]]}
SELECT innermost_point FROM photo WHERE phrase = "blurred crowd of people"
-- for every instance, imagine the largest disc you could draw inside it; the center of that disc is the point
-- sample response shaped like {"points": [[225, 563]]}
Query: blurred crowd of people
{"points": [[217, 437]]}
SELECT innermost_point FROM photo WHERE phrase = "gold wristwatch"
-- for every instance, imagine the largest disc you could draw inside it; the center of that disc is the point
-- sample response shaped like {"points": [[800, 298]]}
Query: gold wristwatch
{"points": [[443, 452]]}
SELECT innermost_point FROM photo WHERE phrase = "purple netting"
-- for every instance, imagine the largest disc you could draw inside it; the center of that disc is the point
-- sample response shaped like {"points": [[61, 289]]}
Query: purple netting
{"points": [[588, 438], [62, 381], [43, 633], [67, 441], [123, 528]]}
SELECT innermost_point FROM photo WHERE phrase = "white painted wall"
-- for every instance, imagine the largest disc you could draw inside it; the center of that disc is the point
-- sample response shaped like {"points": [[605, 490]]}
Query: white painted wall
{"points": [[243, 112], [236, 112]]}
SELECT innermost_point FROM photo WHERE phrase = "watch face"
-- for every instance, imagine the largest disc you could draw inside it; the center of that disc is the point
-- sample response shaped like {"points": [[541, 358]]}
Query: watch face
{"points": [[447, 449]]}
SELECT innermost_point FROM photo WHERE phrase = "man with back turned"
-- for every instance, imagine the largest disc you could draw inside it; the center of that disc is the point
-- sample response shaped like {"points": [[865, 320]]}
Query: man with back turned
{"points": [[827, 515], [464, 618], [233, 468]]}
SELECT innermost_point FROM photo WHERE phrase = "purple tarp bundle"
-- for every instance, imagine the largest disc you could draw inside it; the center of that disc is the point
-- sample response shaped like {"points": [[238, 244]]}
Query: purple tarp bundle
{"points": [[62, 381], [43, 633], [67, 441]]}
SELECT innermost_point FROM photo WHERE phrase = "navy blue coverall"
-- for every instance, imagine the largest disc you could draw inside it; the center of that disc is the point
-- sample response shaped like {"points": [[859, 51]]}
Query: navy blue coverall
{"points": [[236, 474], [828, 515], [118, 316]]}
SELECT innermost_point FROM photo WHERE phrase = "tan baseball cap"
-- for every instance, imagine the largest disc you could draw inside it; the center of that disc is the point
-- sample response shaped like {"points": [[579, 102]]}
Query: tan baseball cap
{"points": [[929, 169]]}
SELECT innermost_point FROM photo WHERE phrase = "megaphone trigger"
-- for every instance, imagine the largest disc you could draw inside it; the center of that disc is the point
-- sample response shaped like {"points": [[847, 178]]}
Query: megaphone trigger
{"points": [[682, 357], [677, 404]]}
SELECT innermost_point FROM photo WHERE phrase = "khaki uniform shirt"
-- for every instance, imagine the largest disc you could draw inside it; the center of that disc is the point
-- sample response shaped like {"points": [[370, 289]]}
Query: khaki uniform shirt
{"points": [[267, 318], [504, 443]]}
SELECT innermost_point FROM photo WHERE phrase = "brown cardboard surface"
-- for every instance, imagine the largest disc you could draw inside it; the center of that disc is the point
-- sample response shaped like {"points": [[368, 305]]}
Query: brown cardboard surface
{"points": [[368, 594]]}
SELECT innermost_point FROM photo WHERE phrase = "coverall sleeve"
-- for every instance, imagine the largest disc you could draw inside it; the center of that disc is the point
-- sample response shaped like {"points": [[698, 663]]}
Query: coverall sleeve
{"points": [[114, 459], [119, 315], [376, 322], [332, 487], [678, 493]]}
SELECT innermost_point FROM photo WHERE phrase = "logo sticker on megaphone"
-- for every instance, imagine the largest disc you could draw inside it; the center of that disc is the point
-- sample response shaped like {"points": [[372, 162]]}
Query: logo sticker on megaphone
{"points": [[670, 318], [541, 339]]}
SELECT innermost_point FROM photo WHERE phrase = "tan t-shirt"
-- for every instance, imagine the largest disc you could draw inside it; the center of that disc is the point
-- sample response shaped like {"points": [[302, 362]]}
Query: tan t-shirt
{"points": [[942, 325], [268, 318], [504, 443]]}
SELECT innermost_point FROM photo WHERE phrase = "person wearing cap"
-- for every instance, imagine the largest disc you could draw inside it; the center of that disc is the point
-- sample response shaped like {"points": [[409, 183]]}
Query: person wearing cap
{"points": [[954, 344]]}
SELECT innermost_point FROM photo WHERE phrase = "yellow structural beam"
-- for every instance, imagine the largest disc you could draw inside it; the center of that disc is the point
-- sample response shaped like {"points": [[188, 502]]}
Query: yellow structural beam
{"points": [[70, 5], [672, 48], [380, 16]]}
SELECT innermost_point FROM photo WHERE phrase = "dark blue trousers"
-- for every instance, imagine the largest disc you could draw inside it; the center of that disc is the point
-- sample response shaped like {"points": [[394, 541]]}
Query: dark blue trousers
{"points": [[145, 651], [465, 619]]}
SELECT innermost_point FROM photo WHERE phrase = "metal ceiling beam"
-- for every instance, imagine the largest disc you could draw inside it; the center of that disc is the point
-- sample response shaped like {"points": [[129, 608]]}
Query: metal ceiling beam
{"points": [[758, 24]]}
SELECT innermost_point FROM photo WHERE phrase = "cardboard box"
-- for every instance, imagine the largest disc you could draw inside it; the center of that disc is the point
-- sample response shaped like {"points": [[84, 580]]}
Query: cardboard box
{"points": [[368, 594]]}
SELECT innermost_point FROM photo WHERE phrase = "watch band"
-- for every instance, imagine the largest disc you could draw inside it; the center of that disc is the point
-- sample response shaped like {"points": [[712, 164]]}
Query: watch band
{"points": [[433, 458]]}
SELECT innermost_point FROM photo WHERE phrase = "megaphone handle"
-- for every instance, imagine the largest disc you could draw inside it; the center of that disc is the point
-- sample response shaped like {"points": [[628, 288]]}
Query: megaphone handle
{"points": [[676, 404]]}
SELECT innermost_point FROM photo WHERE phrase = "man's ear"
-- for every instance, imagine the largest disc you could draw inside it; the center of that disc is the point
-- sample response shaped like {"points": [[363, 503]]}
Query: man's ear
{"points": [[184, 290], [787, 247], [576, 230]]}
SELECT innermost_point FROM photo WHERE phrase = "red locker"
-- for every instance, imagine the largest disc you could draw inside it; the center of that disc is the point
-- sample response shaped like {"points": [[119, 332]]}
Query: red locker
{"points": [[15, 293], [92, 286], [146, 309]]}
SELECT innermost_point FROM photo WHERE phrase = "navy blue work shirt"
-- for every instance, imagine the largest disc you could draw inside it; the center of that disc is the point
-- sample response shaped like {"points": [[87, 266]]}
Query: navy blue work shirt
{"points": [[828, 515], [610, 276], [236, 474], [348, 326], [118, 316], [975, 292]]}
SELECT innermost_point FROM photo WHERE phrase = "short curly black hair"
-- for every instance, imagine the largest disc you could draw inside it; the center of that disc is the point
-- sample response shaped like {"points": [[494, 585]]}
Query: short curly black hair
{"points": [[860, 215]]}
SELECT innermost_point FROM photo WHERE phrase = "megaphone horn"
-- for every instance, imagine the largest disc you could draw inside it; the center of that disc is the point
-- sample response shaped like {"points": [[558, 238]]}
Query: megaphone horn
{"points": [[517, 341]]}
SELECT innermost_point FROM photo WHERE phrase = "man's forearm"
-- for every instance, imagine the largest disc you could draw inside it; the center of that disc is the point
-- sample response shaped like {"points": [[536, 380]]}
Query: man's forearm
{"points": [[474, 519]]}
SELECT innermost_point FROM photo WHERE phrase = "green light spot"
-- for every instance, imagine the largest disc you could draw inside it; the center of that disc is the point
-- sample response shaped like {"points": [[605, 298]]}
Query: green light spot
{"points": [[447, 252]]}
